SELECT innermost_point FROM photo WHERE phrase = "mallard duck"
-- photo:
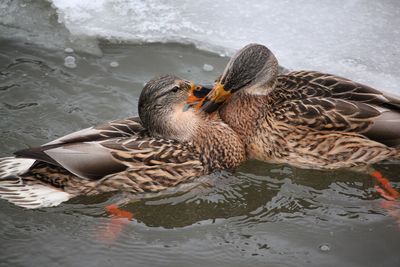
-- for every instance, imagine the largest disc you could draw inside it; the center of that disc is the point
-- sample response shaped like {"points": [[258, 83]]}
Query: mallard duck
{"points": [[304, 118], [165, 147]]}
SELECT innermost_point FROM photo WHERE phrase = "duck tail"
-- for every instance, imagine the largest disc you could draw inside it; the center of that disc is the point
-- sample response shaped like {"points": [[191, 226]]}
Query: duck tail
{"points": [[25, 192]]}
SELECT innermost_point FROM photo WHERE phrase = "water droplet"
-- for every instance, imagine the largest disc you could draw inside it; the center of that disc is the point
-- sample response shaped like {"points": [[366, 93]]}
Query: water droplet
{"points": [[324, 247], [114, 64], [69, 62], [208, 67], [69, 50]]}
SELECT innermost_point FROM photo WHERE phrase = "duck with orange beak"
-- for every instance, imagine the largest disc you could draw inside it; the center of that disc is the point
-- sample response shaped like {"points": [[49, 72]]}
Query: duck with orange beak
{"points": [[304, 118], [163, 148]]}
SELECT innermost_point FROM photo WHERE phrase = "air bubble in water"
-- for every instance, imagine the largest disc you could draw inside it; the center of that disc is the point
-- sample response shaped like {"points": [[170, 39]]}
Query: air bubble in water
{"points": [[324, 248], [114, 64], [69, 62], [208, 67], [69, 50]]}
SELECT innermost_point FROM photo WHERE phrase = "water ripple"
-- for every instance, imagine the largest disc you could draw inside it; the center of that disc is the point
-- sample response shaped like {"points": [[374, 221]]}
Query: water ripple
{"points": [[41, 64], [20, 106], [263, 214], [7, 87]]}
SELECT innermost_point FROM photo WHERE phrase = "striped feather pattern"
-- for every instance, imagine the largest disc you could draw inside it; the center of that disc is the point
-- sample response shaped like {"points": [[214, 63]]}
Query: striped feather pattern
{"points": [[26, 193], [308, 118]]}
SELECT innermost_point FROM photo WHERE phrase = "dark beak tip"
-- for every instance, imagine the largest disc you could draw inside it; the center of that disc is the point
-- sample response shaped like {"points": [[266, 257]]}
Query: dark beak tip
{"points": [[202, 91], [210, 107]]}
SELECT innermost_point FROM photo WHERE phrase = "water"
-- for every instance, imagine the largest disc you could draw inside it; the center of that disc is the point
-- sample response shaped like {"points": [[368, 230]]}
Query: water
{"points": [[260, 215]]}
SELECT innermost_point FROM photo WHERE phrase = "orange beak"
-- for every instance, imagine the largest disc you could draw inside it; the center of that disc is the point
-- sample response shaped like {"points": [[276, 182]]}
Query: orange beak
{"points": [[197, 95], [206, 99], [215, 98]]}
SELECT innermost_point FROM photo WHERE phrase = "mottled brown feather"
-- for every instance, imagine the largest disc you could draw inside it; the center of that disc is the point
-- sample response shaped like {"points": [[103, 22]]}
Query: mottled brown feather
{"points": [[310, 119], [327, 102], [134, 163]]}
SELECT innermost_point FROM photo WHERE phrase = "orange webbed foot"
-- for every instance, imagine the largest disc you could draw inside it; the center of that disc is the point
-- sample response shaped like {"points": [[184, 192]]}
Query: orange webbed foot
{"points": [[116, 212], [386, 191], [383, 193], [114, 227], [384, 188]]}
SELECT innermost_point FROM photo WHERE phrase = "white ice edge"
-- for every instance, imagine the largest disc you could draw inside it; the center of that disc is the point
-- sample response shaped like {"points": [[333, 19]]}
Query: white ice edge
{"points": [[352, 38]]}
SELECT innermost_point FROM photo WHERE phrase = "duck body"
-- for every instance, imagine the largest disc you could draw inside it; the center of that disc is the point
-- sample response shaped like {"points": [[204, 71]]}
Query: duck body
{"points": [[122, 156], [305, 118], [276, 135]]}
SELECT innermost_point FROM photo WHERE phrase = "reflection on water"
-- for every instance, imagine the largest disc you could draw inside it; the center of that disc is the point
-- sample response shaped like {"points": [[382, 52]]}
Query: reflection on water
{"points": [[262, 214]]}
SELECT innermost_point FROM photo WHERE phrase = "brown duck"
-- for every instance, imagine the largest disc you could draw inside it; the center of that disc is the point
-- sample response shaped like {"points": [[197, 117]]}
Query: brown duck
{"points": [[304, 118], [165, 147]]}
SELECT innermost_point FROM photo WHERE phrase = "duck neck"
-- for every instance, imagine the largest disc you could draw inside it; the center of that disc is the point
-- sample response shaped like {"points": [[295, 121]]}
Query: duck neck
{"points": [[219, 146], [247, 114], [242, 113]]}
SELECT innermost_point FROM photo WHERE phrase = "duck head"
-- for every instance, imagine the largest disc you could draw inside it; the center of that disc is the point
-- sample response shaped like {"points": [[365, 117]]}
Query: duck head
{"points": [[162, 111], [252, 70], [162, 108]]}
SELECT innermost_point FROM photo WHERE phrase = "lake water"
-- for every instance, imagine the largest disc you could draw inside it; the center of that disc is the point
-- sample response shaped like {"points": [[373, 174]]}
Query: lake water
{"points": [[260, 215]]}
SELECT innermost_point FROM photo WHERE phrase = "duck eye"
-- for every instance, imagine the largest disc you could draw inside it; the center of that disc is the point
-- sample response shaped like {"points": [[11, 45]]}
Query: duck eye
{"points": [[175, 89]]}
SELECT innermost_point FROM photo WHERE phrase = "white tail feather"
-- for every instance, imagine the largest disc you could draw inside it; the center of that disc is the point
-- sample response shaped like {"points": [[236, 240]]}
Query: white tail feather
{"points": [[30, 195]]}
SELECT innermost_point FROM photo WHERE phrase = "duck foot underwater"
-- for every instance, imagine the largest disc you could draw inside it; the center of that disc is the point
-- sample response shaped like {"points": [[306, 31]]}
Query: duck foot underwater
{"points": [[113, 229], [384, 188], [390, 196], [121, 217]]}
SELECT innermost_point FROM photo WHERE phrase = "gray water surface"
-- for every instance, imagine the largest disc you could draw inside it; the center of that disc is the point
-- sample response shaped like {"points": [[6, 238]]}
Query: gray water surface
{"points": [[261, 215]]}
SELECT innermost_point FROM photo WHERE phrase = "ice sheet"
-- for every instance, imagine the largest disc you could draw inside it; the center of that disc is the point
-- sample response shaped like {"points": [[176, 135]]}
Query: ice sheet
{"points": [[353, 38]]}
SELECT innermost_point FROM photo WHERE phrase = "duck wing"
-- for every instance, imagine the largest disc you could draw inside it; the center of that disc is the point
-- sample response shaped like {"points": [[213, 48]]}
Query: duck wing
{"points": [[80, 152], [97, 159], [344, 88], [96, 152], [113, 129], [327, 102]]}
